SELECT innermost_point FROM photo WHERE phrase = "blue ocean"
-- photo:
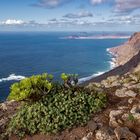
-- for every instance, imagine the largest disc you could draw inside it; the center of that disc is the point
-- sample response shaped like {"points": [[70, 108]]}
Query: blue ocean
{"points": [[24, 54]]}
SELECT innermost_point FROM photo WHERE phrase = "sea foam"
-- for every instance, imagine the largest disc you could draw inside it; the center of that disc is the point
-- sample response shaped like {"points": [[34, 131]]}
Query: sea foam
{"points": [[112, 65], [12, 77], [81, 80], [113, 59]]}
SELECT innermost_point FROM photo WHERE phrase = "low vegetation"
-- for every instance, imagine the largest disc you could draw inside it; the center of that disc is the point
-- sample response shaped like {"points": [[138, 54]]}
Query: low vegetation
{"points": [[51, 107], [32, 88]]}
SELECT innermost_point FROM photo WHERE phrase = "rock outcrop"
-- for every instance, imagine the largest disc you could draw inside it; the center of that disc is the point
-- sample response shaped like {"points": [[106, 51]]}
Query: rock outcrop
{"points": [[122, 116]]}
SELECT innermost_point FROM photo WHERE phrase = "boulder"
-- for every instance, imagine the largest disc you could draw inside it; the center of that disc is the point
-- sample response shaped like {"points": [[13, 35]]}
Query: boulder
{"points": [[92, 125], [134, 86], [89, 136], [113, 122], [125, 93], [115, 84], [105, 83], [130, 93], [120, 92], [105, 134], [124, 133]]}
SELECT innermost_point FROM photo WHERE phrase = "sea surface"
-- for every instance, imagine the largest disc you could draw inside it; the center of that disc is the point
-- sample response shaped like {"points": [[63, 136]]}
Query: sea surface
{"points": [[23, 54]]}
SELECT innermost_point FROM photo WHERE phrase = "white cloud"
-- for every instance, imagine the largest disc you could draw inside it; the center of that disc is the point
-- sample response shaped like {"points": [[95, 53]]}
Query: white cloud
{"points": [[50, 3], [126, 6], [56, 3], [82, 14], [96, 1], [12, 22]]}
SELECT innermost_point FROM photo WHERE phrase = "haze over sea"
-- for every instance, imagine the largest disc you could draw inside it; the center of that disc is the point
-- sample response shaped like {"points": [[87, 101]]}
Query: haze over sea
{"points": [[23, 54]]}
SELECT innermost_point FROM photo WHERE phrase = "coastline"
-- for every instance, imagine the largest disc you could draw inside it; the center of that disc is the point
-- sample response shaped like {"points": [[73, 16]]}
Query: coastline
{"points": [[96, 37], [113, 57], [113, 64]]}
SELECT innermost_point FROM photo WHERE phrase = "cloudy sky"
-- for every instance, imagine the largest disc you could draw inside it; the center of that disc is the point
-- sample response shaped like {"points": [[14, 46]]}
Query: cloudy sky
{"points": [[69, 15]]}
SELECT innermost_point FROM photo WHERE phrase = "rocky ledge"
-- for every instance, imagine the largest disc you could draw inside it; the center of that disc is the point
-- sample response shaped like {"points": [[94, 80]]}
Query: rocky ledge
{"points": [[121, 119]]}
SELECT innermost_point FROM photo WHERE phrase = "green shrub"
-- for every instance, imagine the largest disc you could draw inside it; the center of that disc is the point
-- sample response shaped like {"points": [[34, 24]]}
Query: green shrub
{"points": [[60, 109], [55, 106], [31, 88]]}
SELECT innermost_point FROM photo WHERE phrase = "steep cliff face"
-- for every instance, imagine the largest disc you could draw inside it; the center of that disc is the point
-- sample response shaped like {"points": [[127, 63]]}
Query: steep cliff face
{"points": [[127, 59], [128, 50]]}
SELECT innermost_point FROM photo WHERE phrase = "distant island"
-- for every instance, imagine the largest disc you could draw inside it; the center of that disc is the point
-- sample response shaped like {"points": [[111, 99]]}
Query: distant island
{"points": [[97, 37]]}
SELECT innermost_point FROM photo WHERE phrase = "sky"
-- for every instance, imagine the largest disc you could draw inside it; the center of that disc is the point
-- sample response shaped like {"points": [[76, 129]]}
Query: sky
{"points": [[69, 15]]}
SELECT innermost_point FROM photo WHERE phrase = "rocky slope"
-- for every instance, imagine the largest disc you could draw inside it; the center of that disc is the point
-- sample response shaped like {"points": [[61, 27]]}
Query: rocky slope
{"points": [[128, 50], [119, 120], [122, 116]]}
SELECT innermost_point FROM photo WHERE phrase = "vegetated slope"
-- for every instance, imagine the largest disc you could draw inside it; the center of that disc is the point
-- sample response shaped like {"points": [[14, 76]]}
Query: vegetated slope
{"points": [[119, 120]]}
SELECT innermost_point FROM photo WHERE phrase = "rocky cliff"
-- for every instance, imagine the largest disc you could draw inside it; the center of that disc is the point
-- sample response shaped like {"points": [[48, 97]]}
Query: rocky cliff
{"points": [[128, 50], [127, 59]]}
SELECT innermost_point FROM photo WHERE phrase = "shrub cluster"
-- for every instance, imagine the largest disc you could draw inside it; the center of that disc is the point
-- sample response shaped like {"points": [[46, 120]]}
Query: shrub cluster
{"points": [[62, 108], [31, 88]]}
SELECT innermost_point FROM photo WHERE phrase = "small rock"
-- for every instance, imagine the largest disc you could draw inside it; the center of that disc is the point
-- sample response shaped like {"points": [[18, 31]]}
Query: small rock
{"points": [[96, 119], [2, 121], [136, 112], [105, 83], [135, 78], [4, 106], [130, 101], [89, 135], [105, 134], [113, 117], [135, 86], [123, 107], [124, 133], [99, 125], [115, 84], [130, 93], [84, 138], [124, 93], [113, 78], [127, 85], [125, 116], [92, 125], [120, 92]]}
